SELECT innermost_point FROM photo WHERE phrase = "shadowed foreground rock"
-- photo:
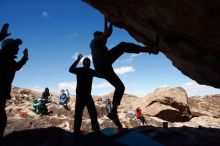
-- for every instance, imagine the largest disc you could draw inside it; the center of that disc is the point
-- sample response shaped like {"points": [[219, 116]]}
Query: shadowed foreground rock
{"points": [[189, 31], [168, 136]]}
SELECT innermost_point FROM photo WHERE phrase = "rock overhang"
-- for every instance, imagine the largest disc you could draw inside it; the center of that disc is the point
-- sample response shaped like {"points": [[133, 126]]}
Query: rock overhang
{"points": [[189, 31]]}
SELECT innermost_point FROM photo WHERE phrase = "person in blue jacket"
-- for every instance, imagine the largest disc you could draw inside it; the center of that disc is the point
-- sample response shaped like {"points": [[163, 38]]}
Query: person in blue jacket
{"points": [[63, 99]]}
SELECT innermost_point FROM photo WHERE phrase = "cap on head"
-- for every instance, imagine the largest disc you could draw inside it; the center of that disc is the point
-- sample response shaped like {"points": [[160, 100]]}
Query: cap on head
{"points": [[9, 42], [97, 33]]}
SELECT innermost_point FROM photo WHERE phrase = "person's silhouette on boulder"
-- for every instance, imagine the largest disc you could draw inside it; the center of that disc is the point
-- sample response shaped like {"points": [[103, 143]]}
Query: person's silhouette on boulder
{"points": [[104, 58]]}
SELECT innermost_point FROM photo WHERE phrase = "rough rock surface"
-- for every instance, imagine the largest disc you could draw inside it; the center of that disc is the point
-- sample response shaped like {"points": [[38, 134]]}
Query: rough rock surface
{"points": [[21, 117], [207, 105], [189, 31], [201, 121], [169, 104]]}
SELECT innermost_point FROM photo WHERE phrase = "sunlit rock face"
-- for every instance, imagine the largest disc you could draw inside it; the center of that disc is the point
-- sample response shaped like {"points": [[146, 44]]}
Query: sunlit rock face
{"points": [[169, 104], [189, 31], [207, 105]]}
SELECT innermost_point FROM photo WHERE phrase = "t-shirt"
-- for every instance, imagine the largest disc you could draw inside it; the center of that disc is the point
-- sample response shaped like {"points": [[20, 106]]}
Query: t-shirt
{"points": [[138, 114], [84, 80]]}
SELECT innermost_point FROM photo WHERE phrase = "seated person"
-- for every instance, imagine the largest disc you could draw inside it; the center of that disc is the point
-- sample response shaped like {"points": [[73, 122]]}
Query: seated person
{"points": [[139, 116], [45, 95], [131, 114], [63, 99], [36, 105], [68, 95], [108, 105], [42, 108]]}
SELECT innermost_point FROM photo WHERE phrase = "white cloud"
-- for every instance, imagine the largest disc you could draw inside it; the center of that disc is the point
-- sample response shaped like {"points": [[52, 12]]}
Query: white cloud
{"points": [[71, 35], [75, 55], [97, 89], [45, 14], [111, 46], [37, 89], [136, 55], [71, 86], [21, 70], [138, 93], [101, 85], [127, 60], [163, 86], [193, 89], [124, 70]]}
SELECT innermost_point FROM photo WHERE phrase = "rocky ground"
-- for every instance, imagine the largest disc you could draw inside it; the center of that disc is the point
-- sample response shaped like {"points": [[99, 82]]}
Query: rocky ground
{"points": [[170, 105]]}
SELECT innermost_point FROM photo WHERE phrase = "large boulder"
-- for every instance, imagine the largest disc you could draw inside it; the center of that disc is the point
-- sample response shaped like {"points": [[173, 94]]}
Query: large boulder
{"points": [[169, 104], [126, 101], [189, 31], [207, 105]]}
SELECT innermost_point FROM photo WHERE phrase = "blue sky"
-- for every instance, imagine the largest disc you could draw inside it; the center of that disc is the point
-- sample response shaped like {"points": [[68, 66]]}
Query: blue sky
{"points": [[55, 31]]}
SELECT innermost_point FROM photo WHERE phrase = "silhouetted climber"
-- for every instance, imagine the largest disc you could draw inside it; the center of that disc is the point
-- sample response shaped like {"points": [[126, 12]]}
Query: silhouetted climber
{"points": [[45, 95], [104, 58], [8, 67], [83, 95]]}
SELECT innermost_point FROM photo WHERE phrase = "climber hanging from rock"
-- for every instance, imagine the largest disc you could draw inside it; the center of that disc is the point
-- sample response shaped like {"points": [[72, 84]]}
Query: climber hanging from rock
{"points": [[104, 58]]}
